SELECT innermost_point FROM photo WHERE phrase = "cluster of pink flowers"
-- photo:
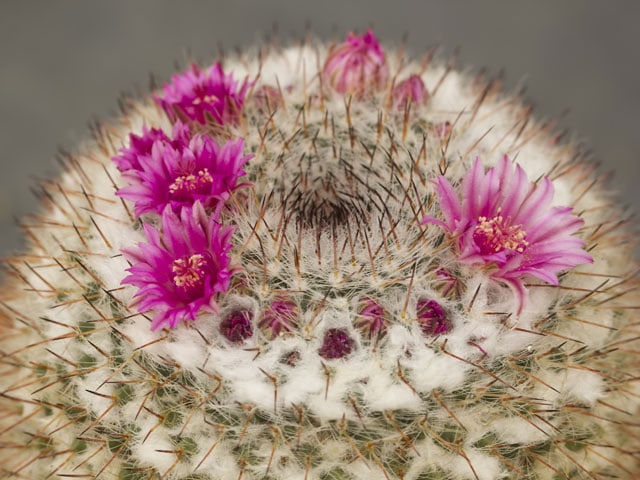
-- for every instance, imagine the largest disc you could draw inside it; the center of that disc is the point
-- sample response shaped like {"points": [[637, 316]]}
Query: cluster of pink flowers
{"points": [[178, 172], [186, 179], [503, 222], [500, 221]]}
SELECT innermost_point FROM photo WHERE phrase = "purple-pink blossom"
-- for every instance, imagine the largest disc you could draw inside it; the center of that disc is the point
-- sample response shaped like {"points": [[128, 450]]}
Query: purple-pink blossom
{"points": [[141, 145], [410, 91], [204, 94], [357, 65], [180, 173], [506, 222], [180, 270]]}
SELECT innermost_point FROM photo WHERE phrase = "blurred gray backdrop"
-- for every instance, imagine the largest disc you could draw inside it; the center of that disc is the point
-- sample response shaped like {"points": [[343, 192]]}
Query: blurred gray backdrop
{"points": [[63, 63]]}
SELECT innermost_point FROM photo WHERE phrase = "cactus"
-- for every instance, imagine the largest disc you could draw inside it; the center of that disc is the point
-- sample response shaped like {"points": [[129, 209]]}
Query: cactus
{"points": [[323, 262]]}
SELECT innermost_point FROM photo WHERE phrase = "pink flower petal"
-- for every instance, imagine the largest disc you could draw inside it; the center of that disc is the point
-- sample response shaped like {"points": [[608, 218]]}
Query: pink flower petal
{"points": [[506, 222], [179, 272]]}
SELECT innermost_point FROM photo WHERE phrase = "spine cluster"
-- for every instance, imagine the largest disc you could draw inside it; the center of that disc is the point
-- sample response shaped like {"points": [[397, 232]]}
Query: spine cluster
{"points": [[323, 262]]}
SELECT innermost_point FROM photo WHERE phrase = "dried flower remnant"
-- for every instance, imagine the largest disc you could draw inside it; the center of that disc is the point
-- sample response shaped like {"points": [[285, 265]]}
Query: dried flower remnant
{"points": [[506, 222], [371, 318], [236, 326], [200, 95], [279, 317], [267, 98], [357, 65], [443, 130], [432, 318], [180, 271], [336, 344], [291, 358], [183, 174]]}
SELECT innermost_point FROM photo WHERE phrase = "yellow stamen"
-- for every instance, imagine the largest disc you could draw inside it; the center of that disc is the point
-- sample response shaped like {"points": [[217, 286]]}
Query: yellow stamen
{"points": [[205, 99], [191, 183], [495, 235], [189, 271]]}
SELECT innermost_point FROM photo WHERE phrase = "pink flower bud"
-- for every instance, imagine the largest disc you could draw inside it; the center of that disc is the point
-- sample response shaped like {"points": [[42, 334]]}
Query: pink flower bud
{"points": [[372, 318], [357, 66], [279, 318], [443, 129], [267, 98], [410, 91]]}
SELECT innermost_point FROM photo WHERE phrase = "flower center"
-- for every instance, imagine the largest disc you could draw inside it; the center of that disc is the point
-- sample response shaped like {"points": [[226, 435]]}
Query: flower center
{"points": [[189, 272], [493, 235], [192, 183], [204, 99]]}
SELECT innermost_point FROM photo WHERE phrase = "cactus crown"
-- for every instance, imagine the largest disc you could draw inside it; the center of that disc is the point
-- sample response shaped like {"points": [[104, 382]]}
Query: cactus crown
{"points": [[321, 263]]}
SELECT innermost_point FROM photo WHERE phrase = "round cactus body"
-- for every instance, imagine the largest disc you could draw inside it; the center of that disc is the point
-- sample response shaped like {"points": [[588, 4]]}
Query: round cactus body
{"points": [[323, 262]]}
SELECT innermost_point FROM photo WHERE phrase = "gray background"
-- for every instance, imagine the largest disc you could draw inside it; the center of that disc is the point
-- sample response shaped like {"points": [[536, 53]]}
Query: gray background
{"points": [[63, 63]]}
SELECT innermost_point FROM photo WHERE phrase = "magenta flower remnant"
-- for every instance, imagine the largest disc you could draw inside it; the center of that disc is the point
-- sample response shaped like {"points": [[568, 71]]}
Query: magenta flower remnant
{"points": [[506, 222], [372, 318], [356, 65], [201, 94], [279, 317], [432, 318], [180, 272], [178, 174]]}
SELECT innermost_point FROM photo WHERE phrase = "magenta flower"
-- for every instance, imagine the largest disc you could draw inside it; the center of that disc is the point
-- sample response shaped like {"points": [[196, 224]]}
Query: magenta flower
{"points": [[141, 146], [506, 222], [179, 175], [410, 91], [202, 94], [180, 271], [356, 65]]}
